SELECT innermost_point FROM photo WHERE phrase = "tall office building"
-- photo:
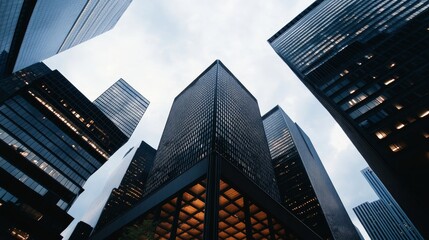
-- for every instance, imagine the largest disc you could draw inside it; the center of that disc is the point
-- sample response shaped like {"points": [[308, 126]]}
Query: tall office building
{"points": [[304, 185], [212, 176], [52, 138], [33, 30], [130, 190], [366, 62], [82, 231], [122, 96], [384, 219]]}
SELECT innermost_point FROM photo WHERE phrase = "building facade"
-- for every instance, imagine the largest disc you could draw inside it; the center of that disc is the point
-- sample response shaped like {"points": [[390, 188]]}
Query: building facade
{"points": [[130, 190], [212, 176], [33, 30], [365, 62], [384, 219], [304, 185], [52, 138], [81, 231], [122, 96]]}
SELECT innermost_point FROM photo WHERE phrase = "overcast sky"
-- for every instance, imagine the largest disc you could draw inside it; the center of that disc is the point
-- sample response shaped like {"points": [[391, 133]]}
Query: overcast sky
{"points": [[159, 47]]}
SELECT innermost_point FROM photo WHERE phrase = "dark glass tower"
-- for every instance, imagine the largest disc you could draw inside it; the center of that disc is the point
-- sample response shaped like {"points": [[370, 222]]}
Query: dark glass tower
{"points": [[130, 191], [384, 219], [212, 176], [33, 30], [81, 231], [122, 96], [366, 62], [52, 138], [304, 185]]}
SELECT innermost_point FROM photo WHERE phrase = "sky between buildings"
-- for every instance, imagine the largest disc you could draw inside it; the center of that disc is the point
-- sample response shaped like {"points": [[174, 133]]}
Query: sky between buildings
{"points": [[159, 47]]}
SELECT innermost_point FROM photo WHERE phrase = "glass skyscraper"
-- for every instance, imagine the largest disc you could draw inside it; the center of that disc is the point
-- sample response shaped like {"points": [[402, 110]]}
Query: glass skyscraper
{"points": [[304, 185], [384, 219], [33, 30], [212, 176], [52, 138], [122, 104], [366, 62], [130, 191]]}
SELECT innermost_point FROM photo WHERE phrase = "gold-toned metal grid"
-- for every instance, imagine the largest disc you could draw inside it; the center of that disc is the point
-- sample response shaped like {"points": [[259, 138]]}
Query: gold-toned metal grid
{"points": [[231, 215], [190, 224], [235, 211], [166, 217], [279, 231], [259, 221]]}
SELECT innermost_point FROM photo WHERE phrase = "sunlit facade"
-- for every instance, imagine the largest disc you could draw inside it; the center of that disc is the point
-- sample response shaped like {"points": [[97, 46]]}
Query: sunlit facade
{"points": [[212, 176], [130, 190], [366, 62], [31, 31], [123, 105], [52, 138], [305, 187]]}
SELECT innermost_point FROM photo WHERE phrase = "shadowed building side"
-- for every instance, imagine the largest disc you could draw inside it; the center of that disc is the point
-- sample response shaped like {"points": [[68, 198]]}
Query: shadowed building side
{"points": [[52, 138], [305, 187], [365, 61]]}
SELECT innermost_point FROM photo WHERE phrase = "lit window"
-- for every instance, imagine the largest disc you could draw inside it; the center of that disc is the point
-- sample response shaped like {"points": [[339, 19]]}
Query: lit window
{"points": [[400, 125], [392, 65], [369, 56], [344, 72], [381, 134], [396, 147], [389, 81], [357, 99], [398, 106], [424, 114], [426, 135]]}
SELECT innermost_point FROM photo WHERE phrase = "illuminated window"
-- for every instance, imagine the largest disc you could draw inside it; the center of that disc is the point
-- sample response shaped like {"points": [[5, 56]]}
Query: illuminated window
{"points": [[400, 125], [381, 134], [396, 147], [389, 81], [369, 56], [424, 114], [392, 65], [19, 234], [357, 99], [345, 72], [398, 106]]}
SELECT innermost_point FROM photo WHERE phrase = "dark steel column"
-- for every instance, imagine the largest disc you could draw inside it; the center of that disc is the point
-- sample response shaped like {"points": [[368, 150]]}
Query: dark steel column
{"points": [[270, 226], [247, 220], [211, 213], [176, 216]]}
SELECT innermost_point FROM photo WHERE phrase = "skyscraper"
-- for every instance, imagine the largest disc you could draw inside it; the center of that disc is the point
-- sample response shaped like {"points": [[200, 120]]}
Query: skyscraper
{"points": [[33, 30], [81, 231], [365, 61], [122, 96], [212, 176], [52, 138], [384, 219], [304, 185], [130, 191]]}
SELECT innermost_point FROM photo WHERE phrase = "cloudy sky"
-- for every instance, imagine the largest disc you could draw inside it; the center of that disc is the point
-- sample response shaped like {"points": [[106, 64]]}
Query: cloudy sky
{"points": [[159, 47]]}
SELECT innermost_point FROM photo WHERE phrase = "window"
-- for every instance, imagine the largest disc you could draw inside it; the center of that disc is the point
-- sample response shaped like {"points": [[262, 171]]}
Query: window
{"points": [[396, 147], [381, 134]]}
